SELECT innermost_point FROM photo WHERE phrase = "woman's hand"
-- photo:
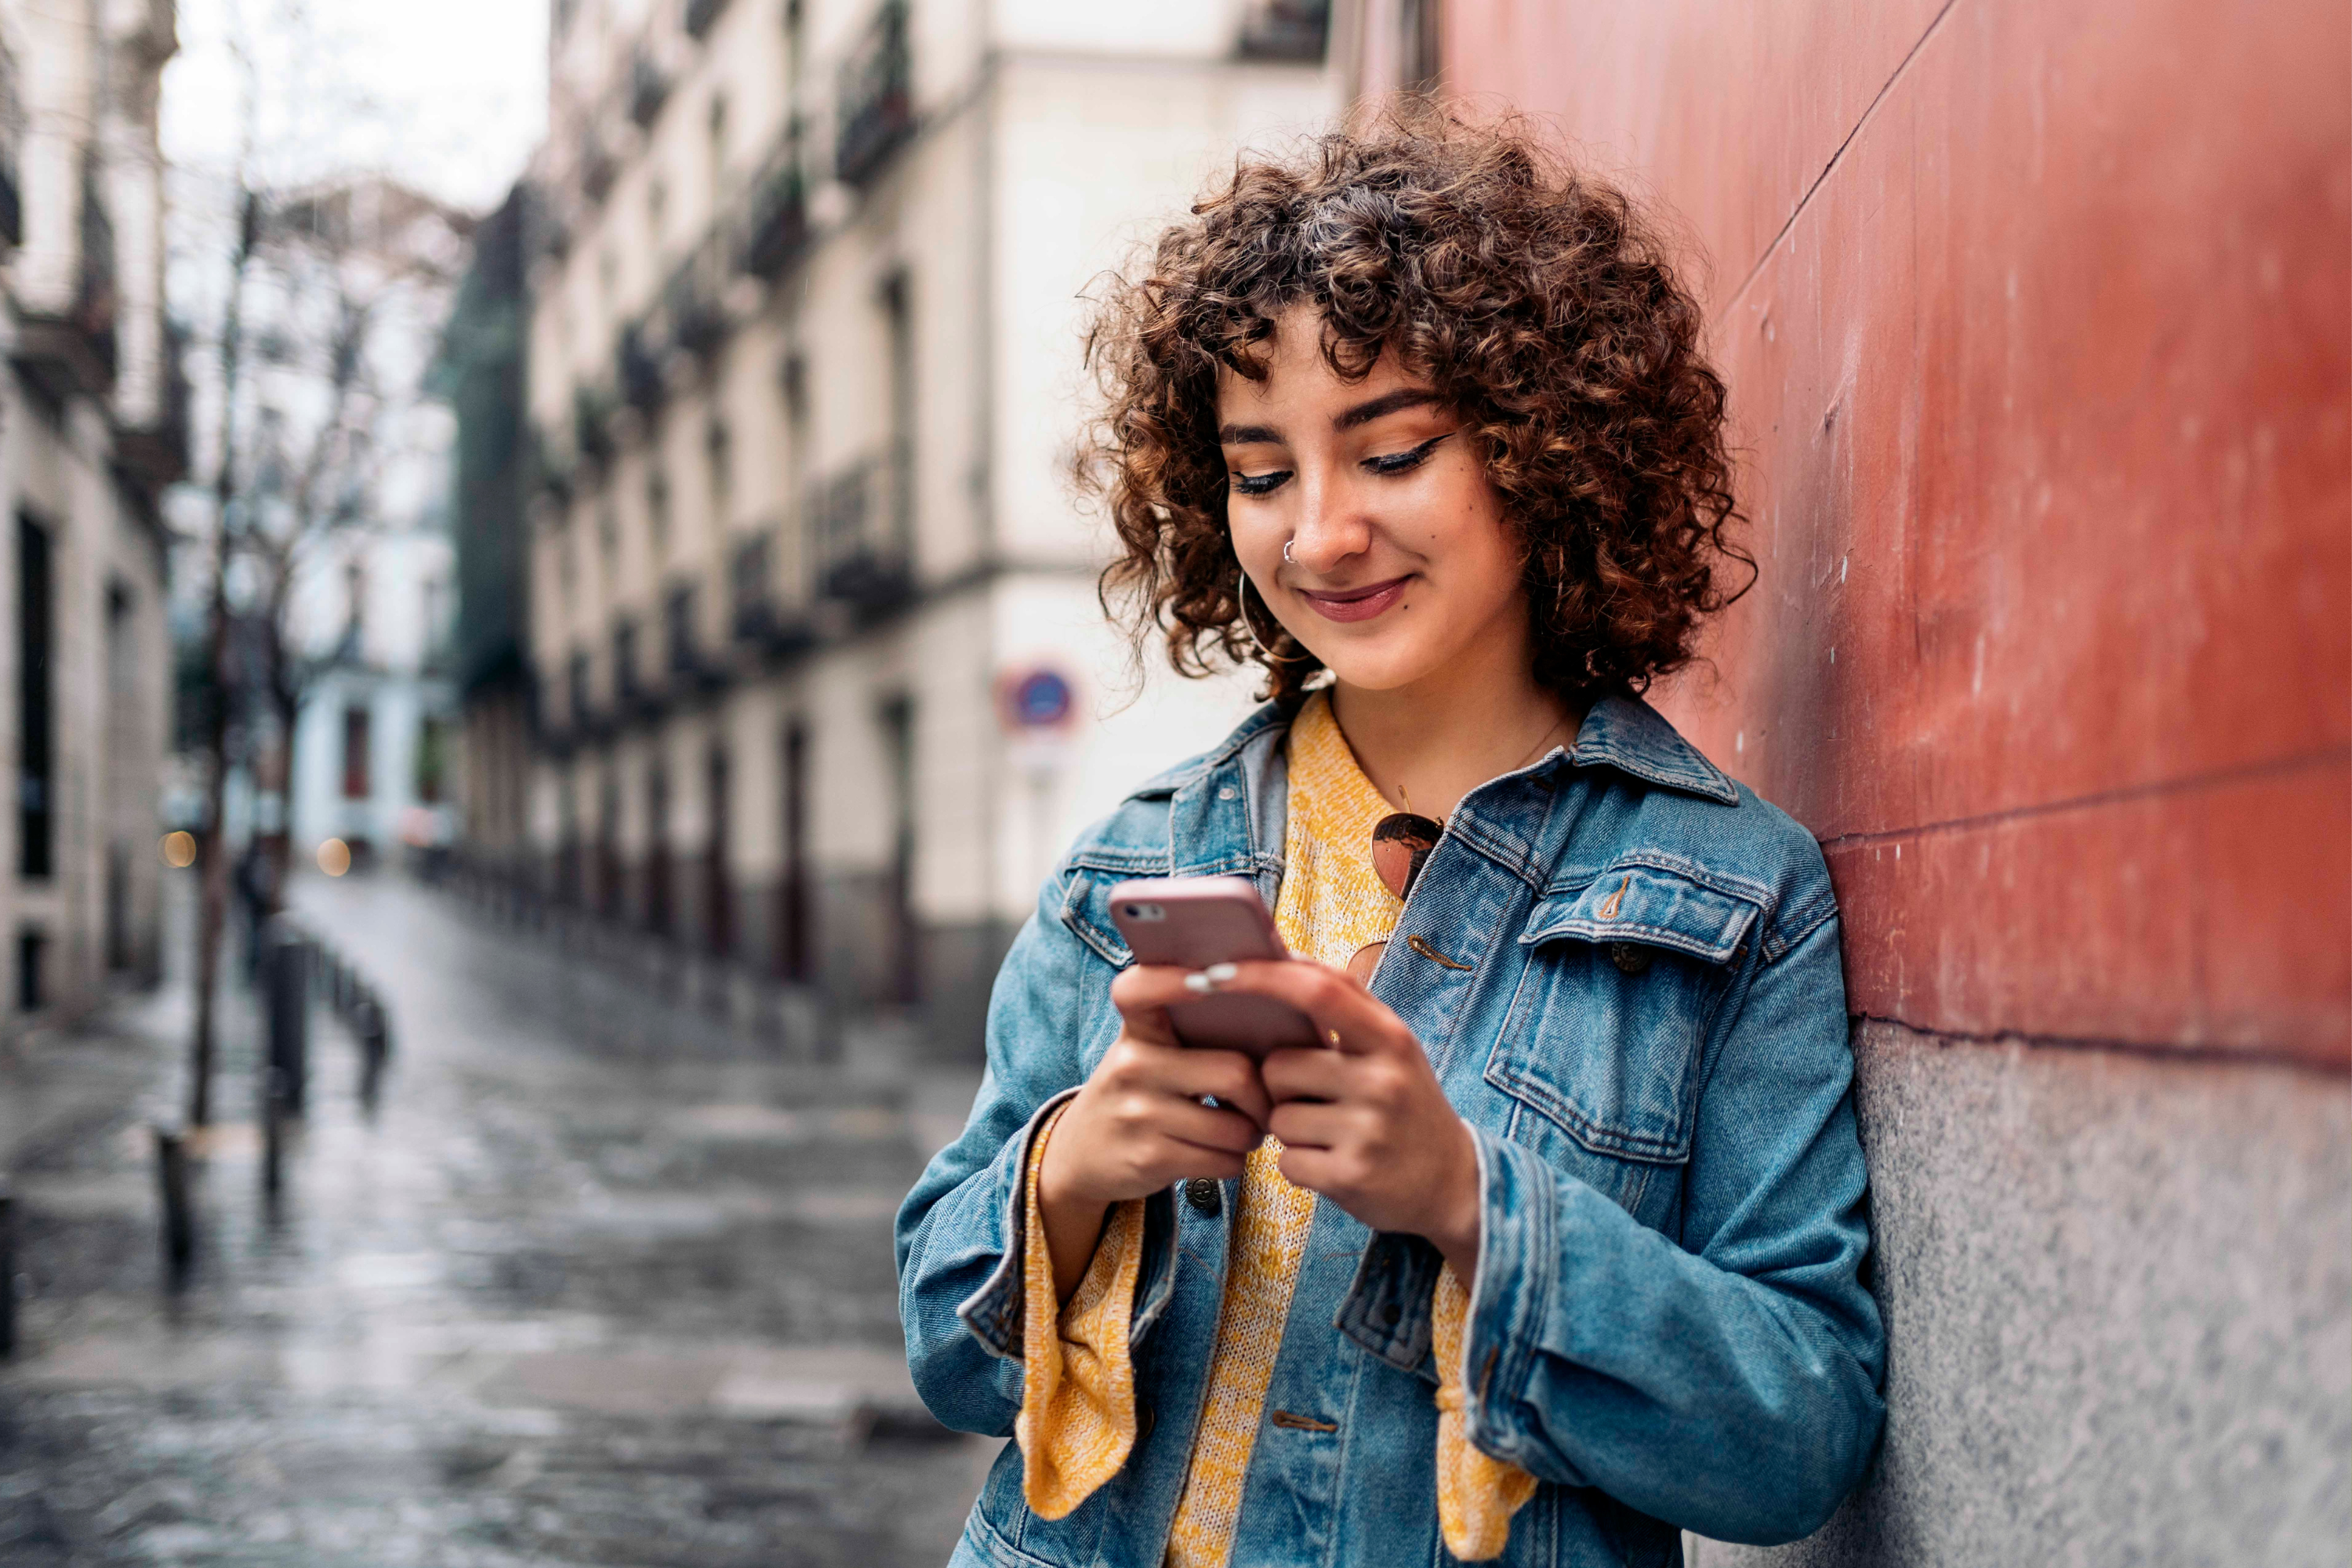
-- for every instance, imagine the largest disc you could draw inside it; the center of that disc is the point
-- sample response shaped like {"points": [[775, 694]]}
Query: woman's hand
{"points": [[1139, 1125], [1365, 1123]]}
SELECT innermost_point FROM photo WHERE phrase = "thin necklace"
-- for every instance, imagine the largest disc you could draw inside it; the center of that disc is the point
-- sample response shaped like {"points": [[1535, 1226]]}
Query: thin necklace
{"points": [[1406, 796]]}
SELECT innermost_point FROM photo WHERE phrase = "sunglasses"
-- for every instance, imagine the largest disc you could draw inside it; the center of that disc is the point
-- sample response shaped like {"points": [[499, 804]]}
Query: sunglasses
{"points": [[1401, 844]]}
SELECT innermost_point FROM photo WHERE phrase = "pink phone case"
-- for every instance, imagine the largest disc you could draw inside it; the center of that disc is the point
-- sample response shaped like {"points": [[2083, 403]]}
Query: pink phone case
{"points": [[1193, 922]]}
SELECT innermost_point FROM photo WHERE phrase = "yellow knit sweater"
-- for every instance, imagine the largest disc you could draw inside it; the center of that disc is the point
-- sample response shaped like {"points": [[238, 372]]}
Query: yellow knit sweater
{"points": [[1077, 1421]]}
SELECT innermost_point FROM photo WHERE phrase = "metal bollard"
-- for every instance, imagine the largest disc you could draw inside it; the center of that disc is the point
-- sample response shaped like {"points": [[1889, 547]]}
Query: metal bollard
{"points": [[7, 1274], [375, 1033], [179, 1219], [289, 1018], [273, 1137]]}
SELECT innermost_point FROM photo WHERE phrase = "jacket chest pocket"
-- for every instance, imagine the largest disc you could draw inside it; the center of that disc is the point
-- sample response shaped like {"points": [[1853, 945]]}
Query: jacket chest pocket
{"points": [[1600, 1048]]}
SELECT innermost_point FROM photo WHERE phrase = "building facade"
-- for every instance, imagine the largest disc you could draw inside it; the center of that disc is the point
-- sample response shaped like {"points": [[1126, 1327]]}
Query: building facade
{"points": [[2037, 322], [91, 428], [822, 681]]}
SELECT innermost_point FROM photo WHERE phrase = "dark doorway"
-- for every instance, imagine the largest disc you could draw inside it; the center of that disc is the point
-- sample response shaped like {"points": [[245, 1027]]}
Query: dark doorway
{"points": [[35, 716], [658, 911], [904, 984], [793, 935], [718, 918], [608, 850]]}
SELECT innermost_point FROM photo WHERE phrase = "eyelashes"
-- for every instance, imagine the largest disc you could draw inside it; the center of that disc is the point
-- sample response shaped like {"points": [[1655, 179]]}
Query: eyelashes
{"points": [[1390, 463], [1405, 462]]}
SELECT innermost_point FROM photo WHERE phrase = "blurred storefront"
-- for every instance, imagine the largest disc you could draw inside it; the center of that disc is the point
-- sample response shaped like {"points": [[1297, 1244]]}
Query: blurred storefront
{"points": [[92, 427], [821, 681], [2035, 324]]}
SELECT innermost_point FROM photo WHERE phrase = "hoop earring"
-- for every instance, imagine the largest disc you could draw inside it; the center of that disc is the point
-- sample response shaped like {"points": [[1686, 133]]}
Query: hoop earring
{"points": [[1240, 599]]}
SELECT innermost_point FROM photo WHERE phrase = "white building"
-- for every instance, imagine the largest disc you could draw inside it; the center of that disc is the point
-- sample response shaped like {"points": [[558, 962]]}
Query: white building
{"points": [[803, 371], [91, 430]]}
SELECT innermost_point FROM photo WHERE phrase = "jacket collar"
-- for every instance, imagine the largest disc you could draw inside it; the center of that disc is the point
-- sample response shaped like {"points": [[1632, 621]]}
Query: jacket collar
{"points": [[1619, 731], [1627, 733]]}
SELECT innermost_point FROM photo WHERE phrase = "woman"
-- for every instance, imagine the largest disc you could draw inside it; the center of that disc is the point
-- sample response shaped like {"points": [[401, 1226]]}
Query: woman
{"points": [[1557, 1248]]}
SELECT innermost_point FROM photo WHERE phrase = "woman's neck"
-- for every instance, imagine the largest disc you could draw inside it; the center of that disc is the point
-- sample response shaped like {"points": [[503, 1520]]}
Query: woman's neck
{"points": [[1425, 746]]}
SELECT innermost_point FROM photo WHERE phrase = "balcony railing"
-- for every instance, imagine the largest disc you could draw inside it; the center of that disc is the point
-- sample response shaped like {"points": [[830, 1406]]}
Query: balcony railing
{"points": [[648, 90], [876, 97], [694, 314], [864, 535], [592, 406], [637, 365], [598, 167], [776, 229], [761, 616], [627, 691]]}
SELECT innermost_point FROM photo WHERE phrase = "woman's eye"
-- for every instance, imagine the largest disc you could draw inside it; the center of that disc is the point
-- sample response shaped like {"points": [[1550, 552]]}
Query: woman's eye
{"points": [[1258, 484], [1400, 462]]}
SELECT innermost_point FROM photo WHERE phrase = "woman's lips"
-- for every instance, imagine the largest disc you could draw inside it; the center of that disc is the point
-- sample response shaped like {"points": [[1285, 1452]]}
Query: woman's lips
{"points": [[1356, 604]]}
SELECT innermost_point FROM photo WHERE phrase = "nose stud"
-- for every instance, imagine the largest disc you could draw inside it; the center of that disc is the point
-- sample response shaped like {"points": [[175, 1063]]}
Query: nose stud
{"points": [[1286, 551]]}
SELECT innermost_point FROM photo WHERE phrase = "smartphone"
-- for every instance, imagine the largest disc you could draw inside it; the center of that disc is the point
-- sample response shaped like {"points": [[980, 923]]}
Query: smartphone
{"points": [[1193, 922]]}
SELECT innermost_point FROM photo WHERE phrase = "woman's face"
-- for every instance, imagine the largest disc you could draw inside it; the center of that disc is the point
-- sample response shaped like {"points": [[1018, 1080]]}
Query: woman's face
{"points": [[1401, 567]]}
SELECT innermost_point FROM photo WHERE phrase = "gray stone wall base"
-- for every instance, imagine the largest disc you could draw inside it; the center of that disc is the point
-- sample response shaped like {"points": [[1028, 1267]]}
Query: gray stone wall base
{"points": [[2118, 1292]]}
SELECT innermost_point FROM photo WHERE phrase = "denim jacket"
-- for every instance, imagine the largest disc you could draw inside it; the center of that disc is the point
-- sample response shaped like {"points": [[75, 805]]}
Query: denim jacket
{"points": [[1624, 969]]}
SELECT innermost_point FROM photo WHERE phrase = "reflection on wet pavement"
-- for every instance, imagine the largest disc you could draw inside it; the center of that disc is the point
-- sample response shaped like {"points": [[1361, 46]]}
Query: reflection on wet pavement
{"points": [[601, 1283]]}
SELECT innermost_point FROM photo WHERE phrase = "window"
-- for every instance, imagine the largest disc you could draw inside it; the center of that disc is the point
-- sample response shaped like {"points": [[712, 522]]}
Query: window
{"points": [[657, 511], [431, 758], [354, 602], [31, 995], [355, 754], [36, 733], [718, 449]]}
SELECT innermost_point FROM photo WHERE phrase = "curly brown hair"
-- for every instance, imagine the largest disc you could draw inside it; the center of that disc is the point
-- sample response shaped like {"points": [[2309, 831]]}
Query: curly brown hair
{"points": [[1540, 304]]}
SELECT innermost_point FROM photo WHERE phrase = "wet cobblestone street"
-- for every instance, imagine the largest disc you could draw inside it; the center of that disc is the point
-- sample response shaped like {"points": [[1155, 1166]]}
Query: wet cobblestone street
{"points": [[600, 1282]]}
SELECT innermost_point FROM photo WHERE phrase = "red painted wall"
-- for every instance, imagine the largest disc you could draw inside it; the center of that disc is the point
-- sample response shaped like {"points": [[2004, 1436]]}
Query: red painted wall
{"points": [[2038, 322]]}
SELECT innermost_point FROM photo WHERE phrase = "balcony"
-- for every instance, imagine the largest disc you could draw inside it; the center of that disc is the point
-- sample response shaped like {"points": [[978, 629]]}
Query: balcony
{"points": [[60, 355], [1285, 30], [760, 618], [877, 97], [777, 230], [648, 90], [693, 312], [688, 667], [637, 366], [592, 409], [700, 15], [630, 695], [598, 167], [863, 536]]}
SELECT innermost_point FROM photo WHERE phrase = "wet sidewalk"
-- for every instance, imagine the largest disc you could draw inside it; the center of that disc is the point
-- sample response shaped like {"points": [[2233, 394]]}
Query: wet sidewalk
{"points": [[586, 1290]]}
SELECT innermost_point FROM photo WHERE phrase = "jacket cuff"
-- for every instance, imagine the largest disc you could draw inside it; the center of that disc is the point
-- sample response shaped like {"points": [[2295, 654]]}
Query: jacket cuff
{"points": [[992, 1314], [1511, 1299]]}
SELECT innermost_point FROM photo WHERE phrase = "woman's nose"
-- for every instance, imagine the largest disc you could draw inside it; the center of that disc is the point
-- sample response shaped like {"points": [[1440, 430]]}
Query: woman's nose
{"points": [[1332, 526]]}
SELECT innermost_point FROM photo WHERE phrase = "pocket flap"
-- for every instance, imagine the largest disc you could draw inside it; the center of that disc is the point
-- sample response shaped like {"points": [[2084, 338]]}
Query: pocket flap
{"points": [[1649, 904]]}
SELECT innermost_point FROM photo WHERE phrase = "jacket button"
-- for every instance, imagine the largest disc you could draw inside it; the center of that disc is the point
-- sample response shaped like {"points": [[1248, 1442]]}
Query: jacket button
{"points": [[1631, 957], [1392, 1312], [1204, 1195]]}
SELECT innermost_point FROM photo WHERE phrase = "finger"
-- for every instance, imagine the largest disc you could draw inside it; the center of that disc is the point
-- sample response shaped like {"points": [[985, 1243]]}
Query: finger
{"points": [[1204, 1127], [1362, 1024], [1178, 1161], [1148, 986], [1306, 1074], [1311, 1125], [1192, 1072]]}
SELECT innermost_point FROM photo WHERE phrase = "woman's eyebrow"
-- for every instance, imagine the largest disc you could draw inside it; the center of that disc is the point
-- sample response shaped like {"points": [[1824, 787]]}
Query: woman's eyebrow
{"points": [[1248, 435], [1386, 403]]}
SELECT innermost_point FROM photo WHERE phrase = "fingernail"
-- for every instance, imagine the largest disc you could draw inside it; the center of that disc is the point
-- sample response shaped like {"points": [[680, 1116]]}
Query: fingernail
{"points": [[1200, 984], [1220, 973]]}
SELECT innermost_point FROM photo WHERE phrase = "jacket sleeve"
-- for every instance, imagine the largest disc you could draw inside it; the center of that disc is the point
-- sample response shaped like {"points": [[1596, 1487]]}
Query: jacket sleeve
{"points": [[959, 1233], [1729, 1385]]}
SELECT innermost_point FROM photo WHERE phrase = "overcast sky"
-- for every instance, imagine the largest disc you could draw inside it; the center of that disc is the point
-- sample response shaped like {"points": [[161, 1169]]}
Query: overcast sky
{"points": [[448, 95]]}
